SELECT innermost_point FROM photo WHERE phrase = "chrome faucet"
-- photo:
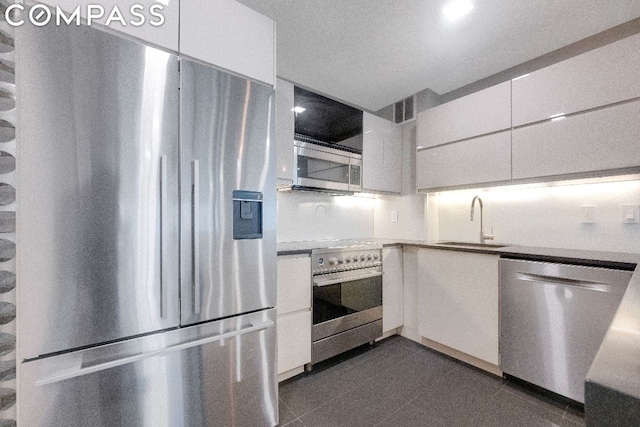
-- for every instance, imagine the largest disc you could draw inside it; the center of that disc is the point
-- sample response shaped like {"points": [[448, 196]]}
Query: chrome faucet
{"points": [[483, 237]]}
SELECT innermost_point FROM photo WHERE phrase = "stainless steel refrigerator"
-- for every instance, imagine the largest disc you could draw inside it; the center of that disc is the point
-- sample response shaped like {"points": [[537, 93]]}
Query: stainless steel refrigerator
{"points": [[146, 235]]}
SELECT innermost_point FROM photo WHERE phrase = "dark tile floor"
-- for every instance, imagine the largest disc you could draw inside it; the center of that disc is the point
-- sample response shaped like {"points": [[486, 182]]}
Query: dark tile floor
{"points": [[399, 383]]}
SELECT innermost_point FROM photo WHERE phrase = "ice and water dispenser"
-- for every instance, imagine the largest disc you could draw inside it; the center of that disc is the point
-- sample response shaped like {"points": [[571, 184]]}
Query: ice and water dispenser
{"points": [[247, 215]]}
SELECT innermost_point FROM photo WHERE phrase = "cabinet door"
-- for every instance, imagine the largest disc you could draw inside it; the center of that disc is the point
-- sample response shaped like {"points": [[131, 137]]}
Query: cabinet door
{"points": [[600, 77], [230, 35], [458, 299], [164, 35], [599, 140], [483, 112], [284, 131], [294, 340], [294, 283], [392, 289], [393, 158], [475, 161], [410, 292], [381, 155]]}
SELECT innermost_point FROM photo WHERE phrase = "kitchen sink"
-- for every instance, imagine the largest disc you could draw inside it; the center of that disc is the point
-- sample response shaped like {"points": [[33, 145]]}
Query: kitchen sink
{"points": [[473, 245]]}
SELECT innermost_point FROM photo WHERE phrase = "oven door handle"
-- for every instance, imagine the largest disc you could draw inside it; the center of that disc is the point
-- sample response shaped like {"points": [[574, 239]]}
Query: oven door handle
{"points": [[346, 279]]}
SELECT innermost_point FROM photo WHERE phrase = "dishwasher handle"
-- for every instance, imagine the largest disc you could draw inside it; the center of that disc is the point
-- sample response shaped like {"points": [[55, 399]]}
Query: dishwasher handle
{"points": [[564, 281]]}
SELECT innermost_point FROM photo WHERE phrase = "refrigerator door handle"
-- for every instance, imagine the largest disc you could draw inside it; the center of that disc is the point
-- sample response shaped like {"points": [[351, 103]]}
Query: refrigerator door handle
{"points": [[195, 239], [164, 219], [67, 374]]}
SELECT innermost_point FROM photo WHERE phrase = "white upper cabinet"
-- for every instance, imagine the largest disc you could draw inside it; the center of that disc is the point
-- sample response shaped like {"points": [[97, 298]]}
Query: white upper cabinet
{"points": [[600, 77], [165, 13], [483, 112], [381, 155], [607, 139], [476, 161], [229, 35], [285, 127]]}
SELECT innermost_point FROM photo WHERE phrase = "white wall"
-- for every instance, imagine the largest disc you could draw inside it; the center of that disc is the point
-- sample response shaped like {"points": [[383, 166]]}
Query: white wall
{"points": [[547, 216], [318, 216]]}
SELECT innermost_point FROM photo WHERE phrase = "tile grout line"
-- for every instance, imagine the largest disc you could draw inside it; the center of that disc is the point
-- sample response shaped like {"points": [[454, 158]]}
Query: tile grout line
{"points": [[394, 412], [434, 417], [486, 405]]}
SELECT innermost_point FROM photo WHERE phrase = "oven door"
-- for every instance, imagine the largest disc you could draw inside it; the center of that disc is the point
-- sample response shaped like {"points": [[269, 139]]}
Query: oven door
{"points": [[345, 300], [318, 169]]}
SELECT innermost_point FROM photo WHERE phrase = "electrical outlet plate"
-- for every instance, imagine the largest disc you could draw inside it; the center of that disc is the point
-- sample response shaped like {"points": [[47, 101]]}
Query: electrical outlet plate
{"points": [[394, 216], [587, 214], [631, 214]]}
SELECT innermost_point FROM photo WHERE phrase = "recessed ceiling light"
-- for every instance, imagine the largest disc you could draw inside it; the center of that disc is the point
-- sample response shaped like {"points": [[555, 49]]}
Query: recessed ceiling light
{"points": [[457, 8], [298, 109]]}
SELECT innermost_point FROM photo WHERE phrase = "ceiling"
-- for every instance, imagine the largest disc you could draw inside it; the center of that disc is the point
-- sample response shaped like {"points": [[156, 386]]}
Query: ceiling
{"points": [[372, 53]]}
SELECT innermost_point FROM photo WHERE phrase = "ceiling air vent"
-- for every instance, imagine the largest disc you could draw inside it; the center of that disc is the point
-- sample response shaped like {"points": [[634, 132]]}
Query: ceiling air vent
{"points": [[404, 110]]}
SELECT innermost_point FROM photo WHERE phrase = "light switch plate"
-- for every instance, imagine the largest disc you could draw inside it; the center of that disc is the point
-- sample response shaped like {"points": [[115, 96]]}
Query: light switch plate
{"points": [[587, 214], [394, 216], [631, 214]]}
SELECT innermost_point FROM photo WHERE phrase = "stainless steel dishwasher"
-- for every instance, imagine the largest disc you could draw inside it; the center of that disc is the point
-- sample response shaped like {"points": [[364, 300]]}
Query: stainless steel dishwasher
{"points": [[553, 318]]}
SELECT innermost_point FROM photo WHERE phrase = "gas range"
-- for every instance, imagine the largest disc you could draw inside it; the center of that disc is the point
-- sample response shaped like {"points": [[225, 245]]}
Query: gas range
{"points": [[347, 298]]}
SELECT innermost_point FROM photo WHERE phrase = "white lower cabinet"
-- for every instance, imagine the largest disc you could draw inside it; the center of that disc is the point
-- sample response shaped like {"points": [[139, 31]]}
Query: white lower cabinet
{"points": [[392, 289], [458, 302], [410, 293], [294, 341], [294, 314]]}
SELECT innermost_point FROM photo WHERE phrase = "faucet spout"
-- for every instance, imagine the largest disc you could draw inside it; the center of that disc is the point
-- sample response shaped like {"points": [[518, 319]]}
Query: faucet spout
{"points": [[483, 237], [473, 203]]}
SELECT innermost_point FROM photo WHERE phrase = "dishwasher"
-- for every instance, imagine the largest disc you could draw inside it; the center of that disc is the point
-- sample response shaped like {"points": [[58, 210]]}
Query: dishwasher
{"points": [[553, 318]]}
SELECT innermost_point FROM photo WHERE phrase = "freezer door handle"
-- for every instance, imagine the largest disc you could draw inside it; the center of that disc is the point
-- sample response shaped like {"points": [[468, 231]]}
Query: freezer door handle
{"points": [[195, 238], [164, 219], [563, 281], [67, 374]]}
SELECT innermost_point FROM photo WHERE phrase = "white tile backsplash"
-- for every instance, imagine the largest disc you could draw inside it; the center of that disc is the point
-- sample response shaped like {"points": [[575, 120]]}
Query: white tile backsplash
{"points": [[411, 224], [547, 216], [318, 216]]}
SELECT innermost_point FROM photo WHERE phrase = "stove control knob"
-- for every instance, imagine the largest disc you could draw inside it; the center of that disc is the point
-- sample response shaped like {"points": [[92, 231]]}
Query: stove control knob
{"points": [[369, 257], [362, 258], [340, 260], [333, 261], [376, 256], [355, 258], [347, 259]]}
